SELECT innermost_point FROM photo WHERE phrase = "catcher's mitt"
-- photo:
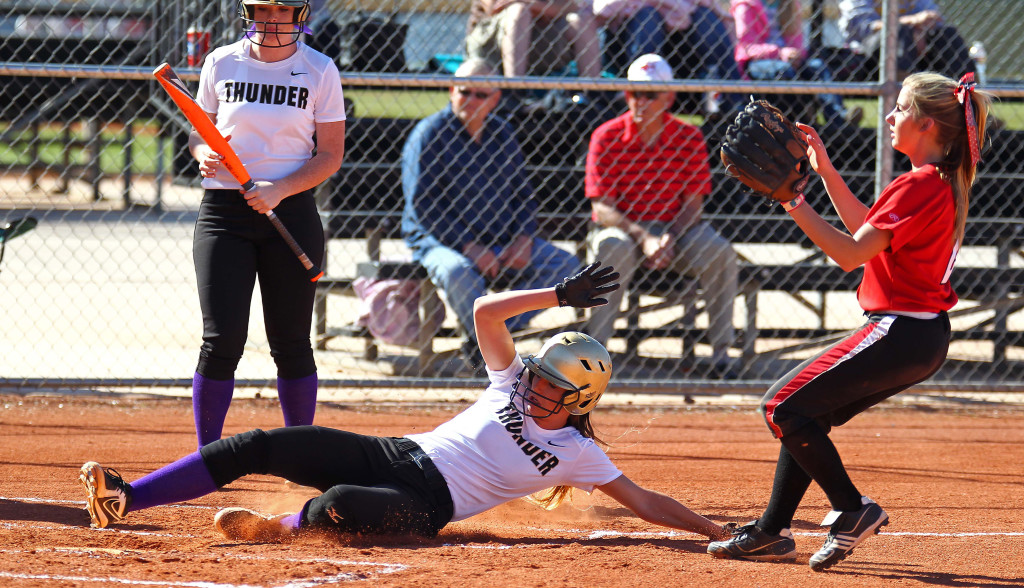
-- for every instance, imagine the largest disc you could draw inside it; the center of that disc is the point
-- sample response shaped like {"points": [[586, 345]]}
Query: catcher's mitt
{"points": [[764, 150]]}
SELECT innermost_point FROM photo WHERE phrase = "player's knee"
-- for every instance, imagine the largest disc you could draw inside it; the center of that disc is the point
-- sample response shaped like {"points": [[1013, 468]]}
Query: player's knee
{"points": [[354, 509], [233, 457], [346, 509], [294, 361], [216, 364], [337, 511]]}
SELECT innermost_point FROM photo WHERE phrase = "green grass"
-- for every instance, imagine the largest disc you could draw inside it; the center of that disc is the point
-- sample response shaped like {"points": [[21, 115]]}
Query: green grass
{"points": [[369, 103], [49, 148], [397, 103], [421, 103]]}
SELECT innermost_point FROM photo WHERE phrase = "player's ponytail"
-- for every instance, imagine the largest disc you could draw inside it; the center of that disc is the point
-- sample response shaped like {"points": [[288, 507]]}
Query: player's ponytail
{"points": [[951, 105]]}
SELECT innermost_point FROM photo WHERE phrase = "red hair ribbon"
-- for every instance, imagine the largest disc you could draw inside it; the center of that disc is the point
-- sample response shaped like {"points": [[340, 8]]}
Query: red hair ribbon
{"points": [[963, 96]]}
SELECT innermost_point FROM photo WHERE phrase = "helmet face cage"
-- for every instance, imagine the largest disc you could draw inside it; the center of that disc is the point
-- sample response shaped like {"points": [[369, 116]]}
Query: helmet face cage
{"points": [[255, 29], [577, 363], [520, 398]]}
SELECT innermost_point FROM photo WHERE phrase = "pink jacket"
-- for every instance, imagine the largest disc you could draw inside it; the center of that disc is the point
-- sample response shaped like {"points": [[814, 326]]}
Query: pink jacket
{"points": [[754, 34]]}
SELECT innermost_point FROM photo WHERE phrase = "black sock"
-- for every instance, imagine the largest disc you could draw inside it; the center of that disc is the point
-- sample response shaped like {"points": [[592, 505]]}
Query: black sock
{"points": [[791, 482], [811, 447]]}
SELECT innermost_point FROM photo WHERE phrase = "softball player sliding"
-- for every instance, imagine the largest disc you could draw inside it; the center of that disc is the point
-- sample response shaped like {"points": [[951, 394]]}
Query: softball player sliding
{"points": [[529, 431], [908, 242], [268, 94]]}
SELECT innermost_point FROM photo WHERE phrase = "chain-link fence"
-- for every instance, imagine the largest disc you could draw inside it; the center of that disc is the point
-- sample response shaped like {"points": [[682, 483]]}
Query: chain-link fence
{"points": [[102, 290]]}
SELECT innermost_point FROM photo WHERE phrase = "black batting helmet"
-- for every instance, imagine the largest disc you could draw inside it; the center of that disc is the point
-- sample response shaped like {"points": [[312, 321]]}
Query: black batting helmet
{"points": [[247, 12]]}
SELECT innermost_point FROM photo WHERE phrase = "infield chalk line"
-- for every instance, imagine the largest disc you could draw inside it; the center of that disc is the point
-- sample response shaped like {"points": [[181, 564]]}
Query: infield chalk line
{"points": [[588, 535], [605, 534], [303, 584], [7, 525], [383, 568], [387, 567]]}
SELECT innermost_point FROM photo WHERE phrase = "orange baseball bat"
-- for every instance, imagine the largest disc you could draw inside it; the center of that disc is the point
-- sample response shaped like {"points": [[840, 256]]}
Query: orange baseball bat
{"points": [[208, 131]]}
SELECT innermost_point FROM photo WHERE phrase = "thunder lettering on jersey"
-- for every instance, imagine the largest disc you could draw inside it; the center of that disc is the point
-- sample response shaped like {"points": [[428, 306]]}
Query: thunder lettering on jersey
{"points": [[489, 453], [238, 91], [271, 110], [513, 421]]}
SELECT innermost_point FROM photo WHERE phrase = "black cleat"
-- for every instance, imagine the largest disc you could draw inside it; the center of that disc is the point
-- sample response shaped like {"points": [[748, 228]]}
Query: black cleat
{"points": [[750, 542], [848, 530]]}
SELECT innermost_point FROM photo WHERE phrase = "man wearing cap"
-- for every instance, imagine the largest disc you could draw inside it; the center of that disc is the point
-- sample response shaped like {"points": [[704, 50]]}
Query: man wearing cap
{"points": [[646, 177]]}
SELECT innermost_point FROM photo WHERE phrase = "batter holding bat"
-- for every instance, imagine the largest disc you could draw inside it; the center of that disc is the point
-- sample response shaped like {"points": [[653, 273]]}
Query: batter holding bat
{"points": [[908, 242], [280, 104], [529, 433]]}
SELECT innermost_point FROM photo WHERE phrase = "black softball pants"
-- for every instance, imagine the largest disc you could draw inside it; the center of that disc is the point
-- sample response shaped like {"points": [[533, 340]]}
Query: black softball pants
{"points": [[232, 246], [889, 354], [369, 484]]}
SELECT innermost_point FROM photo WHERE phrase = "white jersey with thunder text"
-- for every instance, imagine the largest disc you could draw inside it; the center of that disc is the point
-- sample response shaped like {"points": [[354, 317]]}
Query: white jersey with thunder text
{"points": [[490, 454], [270, 110]]}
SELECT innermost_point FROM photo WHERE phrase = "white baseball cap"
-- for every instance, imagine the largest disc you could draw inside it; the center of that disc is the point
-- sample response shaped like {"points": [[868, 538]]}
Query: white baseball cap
{"points": [[649, 68]]}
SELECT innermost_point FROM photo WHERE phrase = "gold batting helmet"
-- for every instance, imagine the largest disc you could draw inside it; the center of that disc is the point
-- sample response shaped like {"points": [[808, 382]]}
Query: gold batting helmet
{"points": [[576, 362]]}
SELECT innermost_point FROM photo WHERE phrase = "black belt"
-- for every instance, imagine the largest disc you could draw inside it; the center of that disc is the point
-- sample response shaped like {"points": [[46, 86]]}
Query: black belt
{"points": [[435, 481]]}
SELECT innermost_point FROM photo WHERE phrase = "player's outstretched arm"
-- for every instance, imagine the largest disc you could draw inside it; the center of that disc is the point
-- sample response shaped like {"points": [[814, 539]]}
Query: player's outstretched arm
{"points": [[660, 509]]}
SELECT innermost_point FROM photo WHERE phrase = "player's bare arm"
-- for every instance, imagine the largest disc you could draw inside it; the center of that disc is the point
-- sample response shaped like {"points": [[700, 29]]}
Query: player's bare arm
{"points": [[660, 509], [583, 290], [849, 251], [330, 150], [490, 313], [209, 160]]}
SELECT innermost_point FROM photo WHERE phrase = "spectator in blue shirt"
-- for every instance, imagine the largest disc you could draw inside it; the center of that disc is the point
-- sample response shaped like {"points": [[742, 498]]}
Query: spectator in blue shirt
{"points": [[469, 207]]}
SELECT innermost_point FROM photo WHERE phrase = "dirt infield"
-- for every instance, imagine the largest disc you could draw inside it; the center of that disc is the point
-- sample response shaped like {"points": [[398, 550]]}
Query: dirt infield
{"points": [[951, 479]]}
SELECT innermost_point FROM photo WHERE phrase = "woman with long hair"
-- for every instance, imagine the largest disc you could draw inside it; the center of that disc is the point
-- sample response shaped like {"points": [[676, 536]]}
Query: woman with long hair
{"points": [[528, 434], [908, 242]]}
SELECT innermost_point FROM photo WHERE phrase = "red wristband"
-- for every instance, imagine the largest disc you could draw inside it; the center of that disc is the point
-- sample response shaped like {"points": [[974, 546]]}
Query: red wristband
{"points": [[792, 204]]}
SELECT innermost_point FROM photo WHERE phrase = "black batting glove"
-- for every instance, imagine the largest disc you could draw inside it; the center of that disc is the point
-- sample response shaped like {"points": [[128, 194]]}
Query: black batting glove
{"points": [[584, 289]]}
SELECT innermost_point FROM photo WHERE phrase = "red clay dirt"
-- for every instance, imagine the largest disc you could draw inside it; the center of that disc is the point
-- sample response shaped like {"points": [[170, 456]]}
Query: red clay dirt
{"points": [[951, 479]]}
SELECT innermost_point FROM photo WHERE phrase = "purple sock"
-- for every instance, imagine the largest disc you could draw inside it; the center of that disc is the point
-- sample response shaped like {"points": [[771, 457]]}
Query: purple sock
{"points": [[298, 400], [210, 402], [292, 521], [182, 480]]}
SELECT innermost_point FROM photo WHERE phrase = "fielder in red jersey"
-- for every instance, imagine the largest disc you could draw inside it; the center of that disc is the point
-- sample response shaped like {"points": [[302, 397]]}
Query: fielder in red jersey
{"points": [[907, 243]]}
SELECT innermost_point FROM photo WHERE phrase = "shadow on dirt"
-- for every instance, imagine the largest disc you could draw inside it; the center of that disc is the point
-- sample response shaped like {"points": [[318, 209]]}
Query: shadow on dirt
{"points": [[75, 516], [902, 572]]}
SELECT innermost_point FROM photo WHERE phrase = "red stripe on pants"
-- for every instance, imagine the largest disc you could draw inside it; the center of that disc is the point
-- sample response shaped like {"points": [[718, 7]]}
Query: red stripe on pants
{"points": [[819, 366]]}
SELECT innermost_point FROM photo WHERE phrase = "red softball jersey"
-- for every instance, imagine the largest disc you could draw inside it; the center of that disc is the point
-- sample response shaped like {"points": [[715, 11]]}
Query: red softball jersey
{"points": [[912, 274]]}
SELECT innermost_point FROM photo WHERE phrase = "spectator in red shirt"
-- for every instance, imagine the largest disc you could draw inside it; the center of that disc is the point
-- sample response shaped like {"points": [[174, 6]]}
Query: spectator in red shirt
{"points": [[647, 175]]}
